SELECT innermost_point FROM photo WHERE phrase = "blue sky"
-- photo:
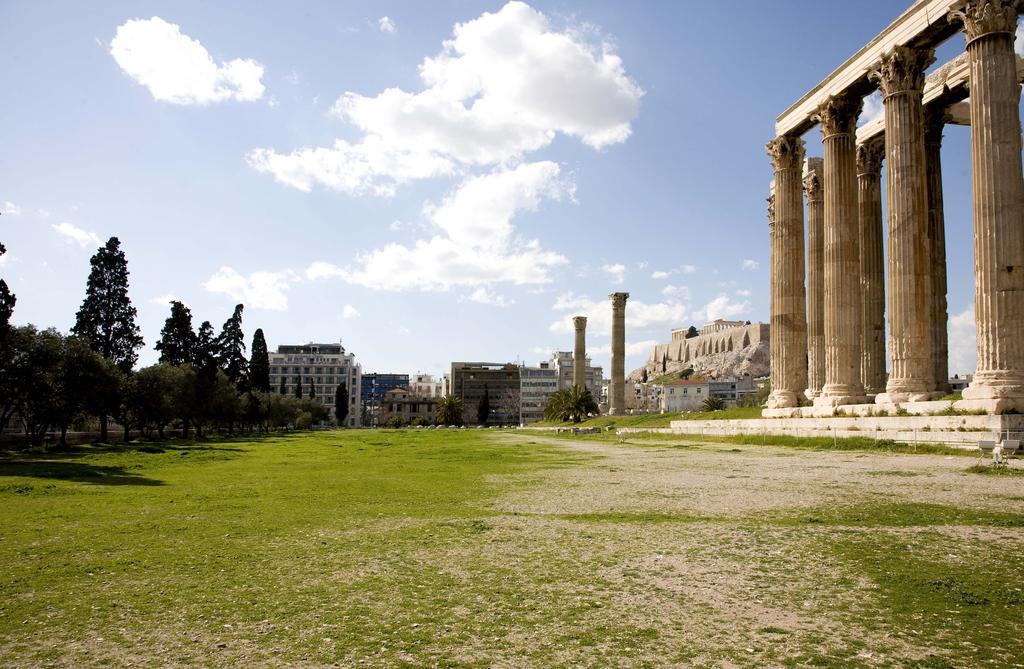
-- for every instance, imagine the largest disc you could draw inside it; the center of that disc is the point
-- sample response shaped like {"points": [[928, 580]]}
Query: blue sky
{"points": [[347, 176]]}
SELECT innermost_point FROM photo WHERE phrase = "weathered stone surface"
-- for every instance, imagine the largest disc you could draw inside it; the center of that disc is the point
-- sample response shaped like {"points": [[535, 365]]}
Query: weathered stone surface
{"points": [[617, 391], [814, 176], [579, 354], [934, 123], [872, 268], [730, 353]]}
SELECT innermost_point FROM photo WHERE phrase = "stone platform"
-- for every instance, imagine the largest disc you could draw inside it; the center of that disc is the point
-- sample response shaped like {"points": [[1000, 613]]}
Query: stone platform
{"points": [[930, 408], [963, 431]]}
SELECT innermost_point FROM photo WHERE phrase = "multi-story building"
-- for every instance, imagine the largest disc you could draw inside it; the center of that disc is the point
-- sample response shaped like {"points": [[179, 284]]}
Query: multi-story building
{"points": [[407, 407], [322, 367], [424, 385], [732, 390], [561, 361], [536, 386], [374, 386], [500, 382], [685, 395]]}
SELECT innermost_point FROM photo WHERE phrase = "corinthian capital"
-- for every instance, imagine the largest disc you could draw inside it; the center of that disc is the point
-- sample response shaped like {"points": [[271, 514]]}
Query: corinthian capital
{"points": [[787, 153], [579, 322], [983, 17], [619, 300], [814, 176], [838, 114], [869, 157], [902, 70]]}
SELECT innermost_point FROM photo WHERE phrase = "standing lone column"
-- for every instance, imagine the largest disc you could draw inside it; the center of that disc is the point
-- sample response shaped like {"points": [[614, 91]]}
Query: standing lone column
{"points": [[813, 181], [900, 76], [998, 194], [934, 123], [789, 308], [838, 116], [579, 353], [617, 394], [872, 271]]}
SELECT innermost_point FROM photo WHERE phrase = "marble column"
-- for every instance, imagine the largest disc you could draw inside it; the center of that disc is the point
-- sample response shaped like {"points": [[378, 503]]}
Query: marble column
{"points": [[838, 117], [579, 353], [998, 198], [789, 308], [617, 392], [814, 174], [900, 76], [934, 123], [872, 270]]}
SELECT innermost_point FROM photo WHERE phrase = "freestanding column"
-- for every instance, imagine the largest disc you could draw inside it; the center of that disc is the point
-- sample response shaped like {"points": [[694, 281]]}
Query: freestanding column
{"points": [[934, 123], [814, 173], [998, 194], [617, 394], [579, 353], [789, 308], [872, 271], [912, 368], [838, 116]]}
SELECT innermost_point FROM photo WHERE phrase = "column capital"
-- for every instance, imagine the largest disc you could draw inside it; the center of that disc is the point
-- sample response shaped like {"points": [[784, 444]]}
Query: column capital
{"points": [[814, 176], [580, 322], [985, 17], [786, 152], [869, 157], [618, 300], [771, 211], [902, 70], [838, 114]]}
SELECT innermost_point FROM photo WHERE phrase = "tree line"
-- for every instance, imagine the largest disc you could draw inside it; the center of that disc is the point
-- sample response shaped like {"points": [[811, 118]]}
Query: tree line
{"points": [[52, 381]]}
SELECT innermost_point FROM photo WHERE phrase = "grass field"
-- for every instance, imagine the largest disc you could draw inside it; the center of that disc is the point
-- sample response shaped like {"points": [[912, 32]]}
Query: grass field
{"points": [[660, 419], [483, 548]]}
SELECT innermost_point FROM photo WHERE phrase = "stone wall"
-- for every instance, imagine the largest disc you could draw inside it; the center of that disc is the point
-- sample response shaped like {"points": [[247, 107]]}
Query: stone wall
{"points": [[728, 353]]}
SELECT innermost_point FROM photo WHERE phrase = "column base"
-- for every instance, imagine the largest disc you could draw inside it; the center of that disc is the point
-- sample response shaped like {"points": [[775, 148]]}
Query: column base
{"points": [[899, 397], [783, 399], [614, 412], [839, 395], [811, 394], [994, 393]]}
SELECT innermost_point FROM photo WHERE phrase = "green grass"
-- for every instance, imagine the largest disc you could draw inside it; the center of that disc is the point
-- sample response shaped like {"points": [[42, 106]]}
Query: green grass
{"points": [[659, 419]]}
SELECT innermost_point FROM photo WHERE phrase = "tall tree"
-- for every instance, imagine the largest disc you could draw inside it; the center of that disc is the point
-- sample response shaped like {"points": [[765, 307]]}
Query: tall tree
{"points": [[281, 388], [259, 363], [449, 410], [483, 408], [177, 340], [106, 319], [231, 348], [341, 403], [298, 387], [691, 332], [7, 300], [204, 355], [312, 391]]}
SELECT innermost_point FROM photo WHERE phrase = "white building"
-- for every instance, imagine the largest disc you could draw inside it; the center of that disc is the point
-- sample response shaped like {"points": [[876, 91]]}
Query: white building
{"points": [[323, 367], [561, 362], [536, 386], [424, 385], [688, 395]]}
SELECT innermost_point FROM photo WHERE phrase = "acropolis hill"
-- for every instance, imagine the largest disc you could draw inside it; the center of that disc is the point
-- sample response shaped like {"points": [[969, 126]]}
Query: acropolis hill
{"points": [[722, 349]]}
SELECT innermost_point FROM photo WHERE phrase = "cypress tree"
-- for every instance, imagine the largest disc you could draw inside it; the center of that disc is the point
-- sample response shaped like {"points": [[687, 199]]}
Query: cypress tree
{"points": [[7, 300], [341, 403], [259, 363], [177, 340], [312, 391], [281, 389], [298, 387], [231, 348], [483, 409], [106, 319], [204, 357]]}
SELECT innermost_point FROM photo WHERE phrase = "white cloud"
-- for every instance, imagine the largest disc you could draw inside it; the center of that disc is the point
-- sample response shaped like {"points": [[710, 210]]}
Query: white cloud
{"points": [[723, 307], [9, 208], [616, 272], [386, 25], [167, 298], [259, 290], [688, 269], [632, 348], [350, 312], [476, 245], [484, 296], [743, 292], [963, 338], [72, 234], [750, 264], [659, 275], [873, 109], [682, 292], [639, 315], [504, 85], [178, 69]]}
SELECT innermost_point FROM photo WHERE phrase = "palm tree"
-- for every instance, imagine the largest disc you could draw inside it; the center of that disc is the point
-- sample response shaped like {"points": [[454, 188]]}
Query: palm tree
{"points": [[570, 404], [714, 404], [449, 410]]}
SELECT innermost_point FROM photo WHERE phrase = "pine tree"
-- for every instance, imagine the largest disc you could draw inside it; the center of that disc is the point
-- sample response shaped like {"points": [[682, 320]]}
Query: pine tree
{"points": [[231, 348], [483, 409], [177, 340], [298, 387], [7, 300], [341, 403], [259, 363], [106, 319]]}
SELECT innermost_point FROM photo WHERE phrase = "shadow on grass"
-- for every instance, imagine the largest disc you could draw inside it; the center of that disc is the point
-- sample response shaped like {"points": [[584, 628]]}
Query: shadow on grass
{"points": [[74, 471]]}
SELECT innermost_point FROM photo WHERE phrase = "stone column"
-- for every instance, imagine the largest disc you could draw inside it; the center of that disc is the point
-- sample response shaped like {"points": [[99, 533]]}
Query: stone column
{"points": [[617, 392], [998, 195], [579, 353], [789, 308], [934, 123], [872, 270], [814, 175], [900, 76], [838, 117]]}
